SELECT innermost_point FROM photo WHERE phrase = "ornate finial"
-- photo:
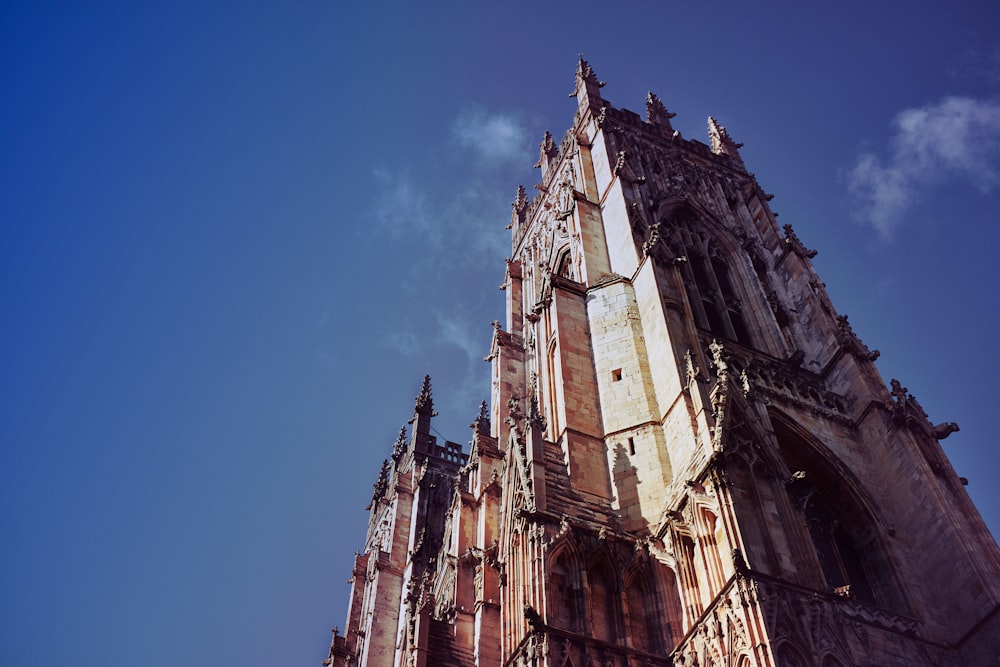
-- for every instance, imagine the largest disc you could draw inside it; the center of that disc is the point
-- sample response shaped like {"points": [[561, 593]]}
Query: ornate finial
{"points": [[399, 446], [718, 358], [656, 113], [520, 201], [654, 237], [850, 340], [722, 143], [745, 383], [534, 412], [547, 150], [514, 408], [424, 401], [382, 483], [899, 392], [691, 367], [585, 74], [520, 206], [482, 421]]}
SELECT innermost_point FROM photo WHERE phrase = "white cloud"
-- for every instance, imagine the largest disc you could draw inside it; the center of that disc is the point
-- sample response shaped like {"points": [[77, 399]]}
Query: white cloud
{"points": [[455, 330], [462, 225], [494, 137], [956, 138], [404, 342], [473, 340], [400, 207]]}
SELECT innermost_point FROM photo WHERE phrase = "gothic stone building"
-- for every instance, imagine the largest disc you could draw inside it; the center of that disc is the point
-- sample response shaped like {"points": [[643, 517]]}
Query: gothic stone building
{"points": [[688, 458]]}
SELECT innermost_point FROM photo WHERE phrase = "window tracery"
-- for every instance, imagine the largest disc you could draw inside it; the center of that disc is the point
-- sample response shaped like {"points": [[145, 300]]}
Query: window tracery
{"points": [[715, 302]]}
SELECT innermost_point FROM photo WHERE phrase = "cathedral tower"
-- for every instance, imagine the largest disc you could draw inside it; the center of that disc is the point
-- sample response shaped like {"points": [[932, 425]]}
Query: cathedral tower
{"points": [[689, 458]]}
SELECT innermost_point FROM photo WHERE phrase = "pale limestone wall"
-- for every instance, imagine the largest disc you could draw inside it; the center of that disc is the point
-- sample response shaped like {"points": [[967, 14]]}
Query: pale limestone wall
{"points": [[592, 239], [660, 343], [620, 364], [618, 231], [602, 167]]}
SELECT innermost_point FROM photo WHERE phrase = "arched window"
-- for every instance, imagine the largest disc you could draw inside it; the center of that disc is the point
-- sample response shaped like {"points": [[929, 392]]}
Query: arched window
{"points": [[646, 618], [715, 302], [604, 607], [564, 265], [563, 593], [838, 556], [790, 656], [842, 530]]}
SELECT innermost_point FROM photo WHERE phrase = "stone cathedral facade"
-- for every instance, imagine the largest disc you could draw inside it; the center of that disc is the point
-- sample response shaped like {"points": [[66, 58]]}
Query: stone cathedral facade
{"points": [[688, 458]]}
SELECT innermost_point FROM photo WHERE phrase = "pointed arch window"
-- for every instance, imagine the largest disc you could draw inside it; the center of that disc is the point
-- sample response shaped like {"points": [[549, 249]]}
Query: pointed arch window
{"points": [[708, 281], [839, 557], [842, 530], [604, 609], [564, 593], [646, 618], [564, 267]]}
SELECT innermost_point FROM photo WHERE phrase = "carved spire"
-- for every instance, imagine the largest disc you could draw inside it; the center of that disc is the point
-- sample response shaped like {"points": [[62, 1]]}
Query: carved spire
{"points": [[481, 424], [381, 484], [423, 410], [656, 113], [535, 417], [588, 89], [585, 74], [519, 206], [547, 151], [424, 401], [399, 446], [722, 143]]}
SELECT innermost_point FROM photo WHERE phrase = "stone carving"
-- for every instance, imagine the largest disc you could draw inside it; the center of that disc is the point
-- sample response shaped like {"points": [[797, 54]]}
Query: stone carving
{"points": [[601, 117], [793, 243], [586, 73], [779, 312], [654, 237], [481, 424], [424, 401], [381, 484], [691, 367], [520, 208], [399, 447], [722, 143], [943, 430], [656, 113], [547, 150], [566, 201], [850, 341]]}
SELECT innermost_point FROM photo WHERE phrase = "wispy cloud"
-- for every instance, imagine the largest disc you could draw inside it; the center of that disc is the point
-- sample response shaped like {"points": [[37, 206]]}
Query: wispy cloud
{"points": [[404, 342], [401, 207], [463, 224], [455, 330], [495, 138], [956, 138]]}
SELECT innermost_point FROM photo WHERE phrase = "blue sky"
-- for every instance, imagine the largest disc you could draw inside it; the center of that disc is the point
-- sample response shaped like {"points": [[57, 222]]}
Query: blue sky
{"points": [[234, 237]]}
